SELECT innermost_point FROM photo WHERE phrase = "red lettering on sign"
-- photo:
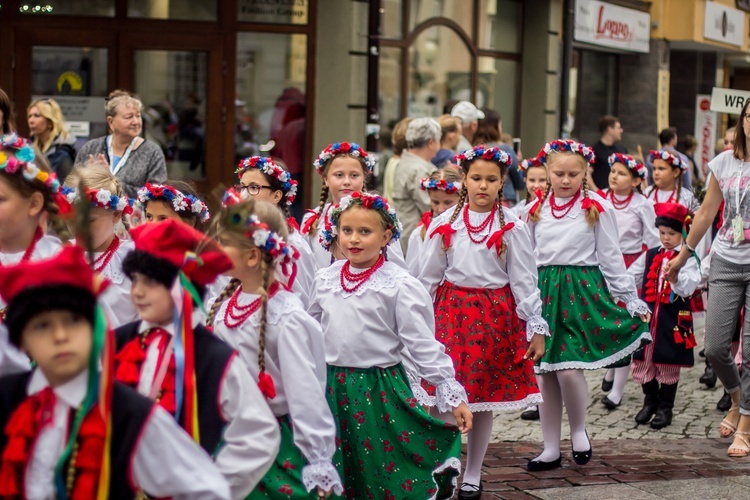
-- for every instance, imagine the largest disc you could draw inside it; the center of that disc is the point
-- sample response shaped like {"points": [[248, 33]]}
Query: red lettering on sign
{"points": [[611, 29]]}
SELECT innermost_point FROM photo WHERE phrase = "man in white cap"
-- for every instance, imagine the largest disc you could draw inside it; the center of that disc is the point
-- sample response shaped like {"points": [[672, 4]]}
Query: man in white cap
{"points": [[470, 116]]}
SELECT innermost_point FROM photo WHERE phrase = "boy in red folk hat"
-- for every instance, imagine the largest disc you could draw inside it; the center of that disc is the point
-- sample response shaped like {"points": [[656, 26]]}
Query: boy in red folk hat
{"points": [[657, 367], [169, 356], [69, 431]]}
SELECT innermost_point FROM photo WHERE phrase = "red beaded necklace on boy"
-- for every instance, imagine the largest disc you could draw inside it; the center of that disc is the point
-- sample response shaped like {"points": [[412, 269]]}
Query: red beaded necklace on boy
{"points": [[621, 204], [107, 255], [488, 222], [565, 208], [30, 249], [232, 319], [351, 282]]}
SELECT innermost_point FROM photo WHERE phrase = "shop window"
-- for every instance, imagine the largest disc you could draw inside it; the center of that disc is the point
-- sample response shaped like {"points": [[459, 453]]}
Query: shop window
{"points": [[439, 71], [597, 81], [192, 10], [75, 77], [459, 11], [172, 86], [499, 25], [498, 89], [390, 18], [69, 8], [390, 85], [273, 11]]}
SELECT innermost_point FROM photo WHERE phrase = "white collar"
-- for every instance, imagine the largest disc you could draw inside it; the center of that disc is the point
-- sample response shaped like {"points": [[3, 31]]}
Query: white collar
{"points": [[676, 249], [169, 327], [71, 392]]}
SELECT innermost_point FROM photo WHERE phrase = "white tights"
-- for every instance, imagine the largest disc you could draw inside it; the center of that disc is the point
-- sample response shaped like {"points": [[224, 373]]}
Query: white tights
{"points": [[563, 387], [478, 440], [618, 386]]}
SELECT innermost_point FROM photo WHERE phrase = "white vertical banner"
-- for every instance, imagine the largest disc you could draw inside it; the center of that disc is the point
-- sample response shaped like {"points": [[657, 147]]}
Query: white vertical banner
{"points": [[705, 133]]}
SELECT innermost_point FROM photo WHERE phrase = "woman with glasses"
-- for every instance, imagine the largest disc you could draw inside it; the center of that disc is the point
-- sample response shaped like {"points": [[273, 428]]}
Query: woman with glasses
{"points": [[729, 277], [134, 161], [48, 132]]}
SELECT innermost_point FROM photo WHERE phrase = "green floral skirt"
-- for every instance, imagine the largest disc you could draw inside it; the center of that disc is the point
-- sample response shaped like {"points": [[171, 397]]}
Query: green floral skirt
{"points": [[589, 330], [388, 447]]}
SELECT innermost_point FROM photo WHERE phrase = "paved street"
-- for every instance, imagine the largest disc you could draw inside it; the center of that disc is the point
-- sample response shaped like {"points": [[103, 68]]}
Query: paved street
{"points": [[684, 460]]}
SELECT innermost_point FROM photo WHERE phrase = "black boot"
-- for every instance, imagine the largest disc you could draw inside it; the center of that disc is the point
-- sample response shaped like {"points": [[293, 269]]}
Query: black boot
{"points": [[663, 416], [650, 402], [725, 402], [709, 376]]}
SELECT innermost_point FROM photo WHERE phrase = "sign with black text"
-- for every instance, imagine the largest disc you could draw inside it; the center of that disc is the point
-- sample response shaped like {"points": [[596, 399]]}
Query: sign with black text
{"points": [[728, 100]]}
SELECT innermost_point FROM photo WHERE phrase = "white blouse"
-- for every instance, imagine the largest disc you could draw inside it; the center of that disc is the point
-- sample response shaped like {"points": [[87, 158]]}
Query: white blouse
{"points": [[369, 327], [251, 437], [687, 199], [295, 360], [306, 266], [636, 224], [323, 256], [116, 300], [688, 278], [165, 462], [570, 241], [414, 254], [12, 360], [519, 208], [473, 265]]}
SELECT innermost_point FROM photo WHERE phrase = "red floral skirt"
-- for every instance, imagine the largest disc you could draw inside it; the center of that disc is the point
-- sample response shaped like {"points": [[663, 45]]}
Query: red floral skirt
{"points": [[486, 340]]}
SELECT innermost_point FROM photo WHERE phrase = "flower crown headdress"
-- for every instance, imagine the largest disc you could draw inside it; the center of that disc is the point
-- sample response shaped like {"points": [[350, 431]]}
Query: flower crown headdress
{"points": [[180, 201], [428, 184], [100, 198], [630, 162], [673, 160], [270, 168], [561, 145], [368, 201], [343, 148], [491, 154], [22, 161], [529, 163]]}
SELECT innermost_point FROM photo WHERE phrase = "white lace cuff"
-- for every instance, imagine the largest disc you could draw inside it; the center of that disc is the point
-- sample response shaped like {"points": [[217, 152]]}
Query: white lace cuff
{"points": [[536, 325], [450, 394], [419, 393], [322, 475], [637, 307]]}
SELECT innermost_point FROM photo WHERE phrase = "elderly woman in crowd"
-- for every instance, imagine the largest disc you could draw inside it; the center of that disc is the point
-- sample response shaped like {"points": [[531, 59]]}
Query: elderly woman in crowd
{"points": [[48, 132], [134, 160]]}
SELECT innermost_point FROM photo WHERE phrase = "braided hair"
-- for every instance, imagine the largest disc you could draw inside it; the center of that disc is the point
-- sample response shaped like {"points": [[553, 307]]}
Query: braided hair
{"points": [[325, 190], [446, 174]]}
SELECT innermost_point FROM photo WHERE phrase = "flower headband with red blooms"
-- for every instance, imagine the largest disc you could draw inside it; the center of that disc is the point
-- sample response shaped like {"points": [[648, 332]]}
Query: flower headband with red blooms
{"points": [[101, 198], [343, 148], [494, 154], [270, 168], [428, 184], [180, 201], [630, 162], [529, 163], [368, 201], [566, 145], [673, 160]]}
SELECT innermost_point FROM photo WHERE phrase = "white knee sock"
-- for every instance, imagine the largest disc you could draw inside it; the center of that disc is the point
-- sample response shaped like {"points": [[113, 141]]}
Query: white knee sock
{"points": [[609, 375], [550, 415], [575, 395], [476, 449], [618, 387]]}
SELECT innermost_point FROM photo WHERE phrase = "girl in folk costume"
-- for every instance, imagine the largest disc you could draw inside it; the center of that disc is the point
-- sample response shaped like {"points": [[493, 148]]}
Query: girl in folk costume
{"points": [[479, 268], [580, 271], [635, 221], [535, 175], [264, 180], [657, 368], [169, 356], [283, 348], [344, 167], [668, 188], [389, 446], [108, 206], [29, 193], [174, 200], [443, 187], [69, 431]]}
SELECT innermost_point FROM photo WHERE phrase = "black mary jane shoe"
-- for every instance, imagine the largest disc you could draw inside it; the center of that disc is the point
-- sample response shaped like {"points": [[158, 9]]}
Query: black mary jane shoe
{"points": [[530, 414], [539, 466], [607, 385], [583, 457], [472, 492], [611, 405]]}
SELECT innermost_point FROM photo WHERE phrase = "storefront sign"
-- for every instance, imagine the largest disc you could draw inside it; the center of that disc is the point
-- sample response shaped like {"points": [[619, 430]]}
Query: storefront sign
{"points": [[88, 109], [607, 25], [705, 133], [79, 129], [724, 24], [272, 11], [728, 100]]}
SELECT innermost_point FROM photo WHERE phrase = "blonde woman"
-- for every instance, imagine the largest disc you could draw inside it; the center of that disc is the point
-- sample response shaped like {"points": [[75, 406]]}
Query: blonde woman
{"points": [[48, 132], [132, 159]]}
